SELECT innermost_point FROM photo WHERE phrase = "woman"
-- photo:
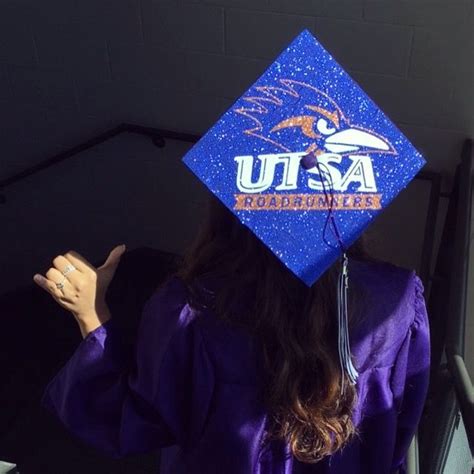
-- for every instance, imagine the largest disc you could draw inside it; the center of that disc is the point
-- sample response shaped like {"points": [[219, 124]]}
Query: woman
{"points": [[237, 366]]}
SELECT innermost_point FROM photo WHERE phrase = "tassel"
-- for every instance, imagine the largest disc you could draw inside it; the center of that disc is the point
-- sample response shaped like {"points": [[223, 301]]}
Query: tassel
{"points": [[343, 327], [345, 360]]}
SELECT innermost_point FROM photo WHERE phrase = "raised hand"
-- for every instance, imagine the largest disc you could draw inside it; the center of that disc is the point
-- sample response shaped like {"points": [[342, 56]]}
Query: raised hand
{"points": [[83, 286]]}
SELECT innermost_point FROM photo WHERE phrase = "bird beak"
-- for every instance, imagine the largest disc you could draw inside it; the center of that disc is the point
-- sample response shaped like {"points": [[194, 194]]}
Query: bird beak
{"points": [[353, 139]]}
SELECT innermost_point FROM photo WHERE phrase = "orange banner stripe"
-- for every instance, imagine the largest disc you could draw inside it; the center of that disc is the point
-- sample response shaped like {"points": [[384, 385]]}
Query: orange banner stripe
{"points": [[306, 202]]}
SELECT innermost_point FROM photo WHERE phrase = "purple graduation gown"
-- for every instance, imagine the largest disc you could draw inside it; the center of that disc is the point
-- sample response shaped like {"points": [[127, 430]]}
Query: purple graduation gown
{"points": [[193, 386]]}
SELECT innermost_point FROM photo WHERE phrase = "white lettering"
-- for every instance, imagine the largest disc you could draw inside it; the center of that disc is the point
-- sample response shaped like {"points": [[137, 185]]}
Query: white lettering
{"points": [[361, 172], [245, 165], [326, 175], [331, 175]]}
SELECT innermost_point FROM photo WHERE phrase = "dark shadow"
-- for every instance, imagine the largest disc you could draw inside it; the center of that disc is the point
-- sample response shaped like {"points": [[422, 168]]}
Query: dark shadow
{"points": [[37, 339]]}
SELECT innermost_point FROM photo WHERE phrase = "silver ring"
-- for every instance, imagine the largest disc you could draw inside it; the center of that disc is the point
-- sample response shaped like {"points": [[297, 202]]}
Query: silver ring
{"points": [[60, 285], [69, 268]]}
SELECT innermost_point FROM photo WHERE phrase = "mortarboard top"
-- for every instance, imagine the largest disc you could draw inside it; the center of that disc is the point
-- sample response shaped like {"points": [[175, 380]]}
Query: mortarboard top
{"points": [[304, 105]]}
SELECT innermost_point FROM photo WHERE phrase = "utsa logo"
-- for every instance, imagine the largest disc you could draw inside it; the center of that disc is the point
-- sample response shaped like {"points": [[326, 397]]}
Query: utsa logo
{"points": [[318, 124]]}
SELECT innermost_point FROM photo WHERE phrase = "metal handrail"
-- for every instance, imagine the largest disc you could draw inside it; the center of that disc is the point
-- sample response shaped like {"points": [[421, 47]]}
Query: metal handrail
{"points": [[455, 350], [157, 135], [430, 225]]}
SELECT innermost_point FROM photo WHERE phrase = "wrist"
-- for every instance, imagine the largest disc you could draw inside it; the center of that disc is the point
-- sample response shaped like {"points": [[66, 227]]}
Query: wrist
{"points": [[88, 327], [89, 322]]}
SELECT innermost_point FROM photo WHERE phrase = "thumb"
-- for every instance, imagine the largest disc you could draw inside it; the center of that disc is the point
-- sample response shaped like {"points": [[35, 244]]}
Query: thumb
{"points": [[113, 259]]}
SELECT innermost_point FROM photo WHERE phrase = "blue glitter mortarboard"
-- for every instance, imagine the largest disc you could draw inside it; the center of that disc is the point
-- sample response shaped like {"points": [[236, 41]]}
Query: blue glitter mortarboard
{"points": [[305, 150]]}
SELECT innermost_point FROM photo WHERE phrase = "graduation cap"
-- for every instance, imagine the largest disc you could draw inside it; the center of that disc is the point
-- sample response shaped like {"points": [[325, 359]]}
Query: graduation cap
{"points": [[306, 160]]}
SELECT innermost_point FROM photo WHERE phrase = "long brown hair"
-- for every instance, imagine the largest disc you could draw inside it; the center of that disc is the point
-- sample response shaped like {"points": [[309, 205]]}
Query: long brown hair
{"points": [[296, 326]]}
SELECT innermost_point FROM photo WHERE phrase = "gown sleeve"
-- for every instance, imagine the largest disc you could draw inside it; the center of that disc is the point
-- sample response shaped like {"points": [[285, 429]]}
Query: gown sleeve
{"points": [[411, 377], [161, 399]]}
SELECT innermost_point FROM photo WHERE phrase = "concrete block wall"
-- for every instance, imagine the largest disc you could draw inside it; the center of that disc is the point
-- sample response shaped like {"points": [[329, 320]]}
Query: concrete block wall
{"points": [[70, 69]]}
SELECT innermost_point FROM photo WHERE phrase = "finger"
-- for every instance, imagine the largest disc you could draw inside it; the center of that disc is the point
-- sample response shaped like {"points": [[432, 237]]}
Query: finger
{"points": [[55, 276], [60, 262], [48, 285], [79, 261], [114, 256]]}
